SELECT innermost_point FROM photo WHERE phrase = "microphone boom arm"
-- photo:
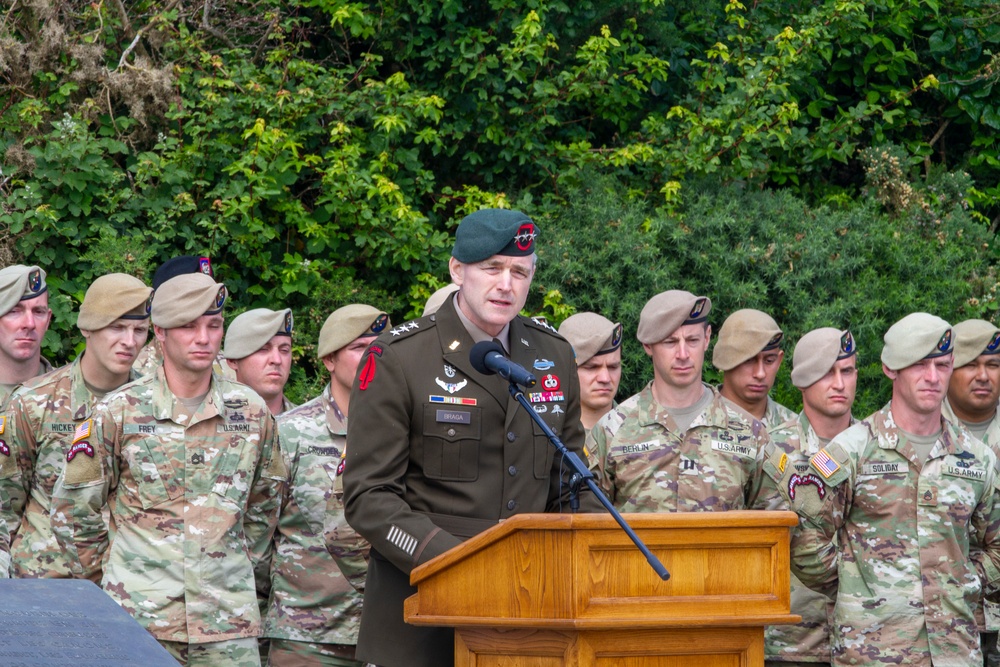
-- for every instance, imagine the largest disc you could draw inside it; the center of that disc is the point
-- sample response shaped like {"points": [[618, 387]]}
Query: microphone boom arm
{"points": [[582, 473]]}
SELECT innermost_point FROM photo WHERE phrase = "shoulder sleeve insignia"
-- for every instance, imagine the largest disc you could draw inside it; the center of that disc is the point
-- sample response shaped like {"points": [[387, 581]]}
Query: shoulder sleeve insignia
{"points": [[3, 424], [825, 465], [82, 431]]}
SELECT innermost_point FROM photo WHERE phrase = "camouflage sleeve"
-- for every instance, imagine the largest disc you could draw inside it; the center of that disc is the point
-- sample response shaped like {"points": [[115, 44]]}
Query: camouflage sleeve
{"points": [[351, 558], [762, 492], [264, 503], [82, 492], [821, 495], [598, 456], [17, 448], [985, 535]]}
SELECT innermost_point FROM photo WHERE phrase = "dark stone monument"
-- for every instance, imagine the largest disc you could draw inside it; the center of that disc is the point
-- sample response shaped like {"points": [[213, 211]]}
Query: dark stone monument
{"points": [[60, 622]]}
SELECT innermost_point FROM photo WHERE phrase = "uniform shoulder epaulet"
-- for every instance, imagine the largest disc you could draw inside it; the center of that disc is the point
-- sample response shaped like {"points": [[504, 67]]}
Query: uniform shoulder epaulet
{"points": [[541, 324], [407, 329]]}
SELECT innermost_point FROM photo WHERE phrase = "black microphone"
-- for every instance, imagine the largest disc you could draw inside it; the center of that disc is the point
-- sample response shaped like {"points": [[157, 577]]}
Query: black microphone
{"points": [[488, 358]]}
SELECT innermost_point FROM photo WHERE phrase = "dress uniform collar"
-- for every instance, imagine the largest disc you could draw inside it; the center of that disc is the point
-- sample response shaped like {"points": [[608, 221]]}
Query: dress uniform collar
{"points": [[478, 335]]}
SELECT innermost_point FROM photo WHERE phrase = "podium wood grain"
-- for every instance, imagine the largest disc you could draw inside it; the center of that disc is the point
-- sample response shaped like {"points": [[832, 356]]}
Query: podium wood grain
{"points": [[555, 589]]}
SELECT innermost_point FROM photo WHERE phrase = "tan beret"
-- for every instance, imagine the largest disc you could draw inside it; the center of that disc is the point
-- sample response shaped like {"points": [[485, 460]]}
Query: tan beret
{"points": [[185, 298], [668, 311], [917, 336], [250, 331], [973, 338], [350, 322], [20, 283], [817, 352], [591, 335], [437, 299], [743, 335], [113, 296]]}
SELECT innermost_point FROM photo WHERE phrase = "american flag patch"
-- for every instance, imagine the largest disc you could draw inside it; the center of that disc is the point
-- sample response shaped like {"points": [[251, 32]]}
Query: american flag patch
{"points": [[824, 464], [82, 431]]}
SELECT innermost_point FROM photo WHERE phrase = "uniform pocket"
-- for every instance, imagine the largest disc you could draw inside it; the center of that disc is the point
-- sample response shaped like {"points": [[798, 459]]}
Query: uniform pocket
{"points": [[148, 466], [544, 451], [451, 441]]}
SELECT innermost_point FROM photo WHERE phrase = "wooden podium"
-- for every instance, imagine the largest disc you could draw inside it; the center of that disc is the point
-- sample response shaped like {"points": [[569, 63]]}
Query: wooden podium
{"points": [[542, 590]]}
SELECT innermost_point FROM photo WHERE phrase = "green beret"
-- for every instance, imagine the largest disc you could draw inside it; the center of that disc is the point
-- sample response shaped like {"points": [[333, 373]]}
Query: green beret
{"points": [[817, 352], [20, 283], [114, 296], [917, 336], [185, 298], [743, 335], [437, 299], [973, 338], [668, 311], [494, 231], [250, 331], [350, 322], [591, 335]]}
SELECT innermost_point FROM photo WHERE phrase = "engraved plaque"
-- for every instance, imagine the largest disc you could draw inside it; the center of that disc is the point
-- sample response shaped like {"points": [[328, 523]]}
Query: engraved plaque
{"points": [[59, 622]]}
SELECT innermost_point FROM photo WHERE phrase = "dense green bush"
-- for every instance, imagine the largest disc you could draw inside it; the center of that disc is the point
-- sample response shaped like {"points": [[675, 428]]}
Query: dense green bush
{"points": [[808, 267]]}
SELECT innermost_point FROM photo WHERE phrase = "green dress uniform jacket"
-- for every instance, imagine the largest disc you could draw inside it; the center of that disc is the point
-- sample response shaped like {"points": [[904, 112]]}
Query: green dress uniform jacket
{"points": [[440, 453], [193, 498], [41, 417]]}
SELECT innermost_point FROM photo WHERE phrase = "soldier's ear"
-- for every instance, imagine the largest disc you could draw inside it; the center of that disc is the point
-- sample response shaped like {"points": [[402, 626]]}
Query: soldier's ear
{"points": [[889, 373], [329, 362], [457, 271], [160, 333]]}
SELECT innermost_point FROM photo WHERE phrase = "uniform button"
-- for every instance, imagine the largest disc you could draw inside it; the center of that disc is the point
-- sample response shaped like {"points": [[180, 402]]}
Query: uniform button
{"points": [[511, 437], [512, 470], [451, 432], [511, 504]]}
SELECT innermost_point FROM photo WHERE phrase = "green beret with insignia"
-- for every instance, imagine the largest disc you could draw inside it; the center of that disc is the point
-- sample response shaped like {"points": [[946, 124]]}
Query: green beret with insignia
{"points": [[744, 335], [973, 338], [668, 311], [250, 331], [591, 335], [20, 283], [915, 337], [437, 299], [350, 322], [185, 298], [114, 296], [817, 352], [494, 231]]}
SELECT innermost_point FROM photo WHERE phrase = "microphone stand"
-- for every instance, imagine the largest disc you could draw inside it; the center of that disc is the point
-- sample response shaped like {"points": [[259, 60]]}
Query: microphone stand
{"points": [[582, 474]]}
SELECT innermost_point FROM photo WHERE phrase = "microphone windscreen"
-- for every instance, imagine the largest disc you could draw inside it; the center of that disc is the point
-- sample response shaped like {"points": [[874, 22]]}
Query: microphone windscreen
{"points": [[477, 355]]}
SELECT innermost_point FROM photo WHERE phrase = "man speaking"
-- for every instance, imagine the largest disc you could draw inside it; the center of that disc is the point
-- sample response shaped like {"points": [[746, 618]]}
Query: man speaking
{"points": [[440, 452]]}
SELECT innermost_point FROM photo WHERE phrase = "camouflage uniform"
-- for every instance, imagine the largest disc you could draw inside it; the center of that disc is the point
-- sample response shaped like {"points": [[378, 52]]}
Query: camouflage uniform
{"points": [[320, 562], [42, 416], [194, 501], [991, 608], [7, 389], [644, 465], [776, 415], [808, 641], [918, 543]]}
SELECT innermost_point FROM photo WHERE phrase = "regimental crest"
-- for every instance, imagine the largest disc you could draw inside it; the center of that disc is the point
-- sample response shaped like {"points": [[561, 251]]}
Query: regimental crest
{"points": [[616, 336], [847, 347], [35, 280], [289, 323], [379, 324], [149, 304], [994, 345], [944, 343], [699, 308], [525, 236], [220, 297], [449, 371], [205, 266], [775, 341]]}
